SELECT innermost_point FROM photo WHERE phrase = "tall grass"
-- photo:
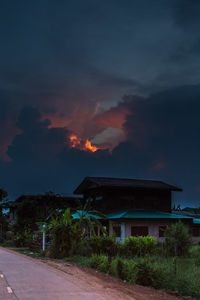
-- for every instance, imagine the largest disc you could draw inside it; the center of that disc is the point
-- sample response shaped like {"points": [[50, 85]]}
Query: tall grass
{"points": [[179, 274]]}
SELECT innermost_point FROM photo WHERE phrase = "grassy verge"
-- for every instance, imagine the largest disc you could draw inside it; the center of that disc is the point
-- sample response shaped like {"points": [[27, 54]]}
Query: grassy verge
{"points": [[25, 250], [28, 252], [180, 274]]}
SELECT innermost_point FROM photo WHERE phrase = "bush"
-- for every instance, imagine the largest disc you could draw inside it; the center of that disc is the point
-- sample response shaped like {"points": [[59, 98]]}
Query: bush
{"points": [[100, 262], [8, 243], [124, 269], [82, 248], [23, 239], [139, 246], [131, 246], [149, 275], [103, 245], [147, 245], [177, 240], [194, 251], [62, 242]]}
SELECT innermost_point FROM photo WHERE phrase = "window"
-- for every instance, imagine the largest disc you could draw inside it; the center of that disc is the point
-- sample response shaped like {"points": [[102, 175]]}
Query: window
{"points": [[162, 230], [196, 231], [117, 230], [139, 230]]}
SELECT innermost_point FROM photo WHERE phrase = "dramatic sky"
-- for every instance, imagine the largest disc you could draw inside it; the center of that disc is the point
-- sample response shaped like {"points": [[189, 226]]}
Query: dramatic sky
{"points": [[99, 88]]}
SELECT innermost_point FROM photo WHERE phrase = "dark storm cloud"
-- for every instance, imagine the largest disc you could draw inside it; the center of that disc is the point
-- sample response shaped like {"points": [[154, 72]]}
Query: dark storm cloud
{"points": [[166, 127], [187, 15], [48, 47], [36, 142]]}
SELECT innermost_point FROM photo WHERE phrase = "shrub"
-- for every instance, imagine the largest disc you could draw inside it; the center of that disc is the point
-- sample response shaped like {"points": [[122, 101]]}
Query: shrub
{"points": [[8, 243], [177, 240], [99, 262], [121, 269], [94, 243], [103, 245], [147, 245], [23, 239], [82, 248], [195, 251], [131, 246], [139, 246], [103, 264], [148, 275], [124, 269], [62, 241]]}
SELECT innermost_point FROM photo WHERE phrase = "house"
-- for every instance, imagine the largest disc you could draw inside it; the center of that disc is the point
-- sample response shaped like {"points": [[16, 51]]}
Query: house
{"points": [[135, 207]]}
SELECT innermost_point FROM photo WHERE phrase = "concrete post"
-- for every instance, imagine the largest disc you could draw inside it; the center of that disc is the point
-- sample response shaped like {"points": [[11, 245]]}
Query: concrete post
{"points": [[123, 232], [43, 239]]}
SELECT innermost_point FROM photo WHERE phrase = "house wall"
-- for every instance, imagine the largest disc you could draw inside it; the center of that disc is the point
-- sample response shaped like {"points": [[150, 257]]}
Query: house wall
{"points": [[153, 228]]}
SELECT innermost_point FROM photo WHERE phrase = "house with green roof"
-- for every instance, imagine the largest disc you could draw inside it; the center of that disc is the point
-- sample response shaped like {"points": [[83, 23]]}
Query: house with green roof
{"points": [[135, 207]]}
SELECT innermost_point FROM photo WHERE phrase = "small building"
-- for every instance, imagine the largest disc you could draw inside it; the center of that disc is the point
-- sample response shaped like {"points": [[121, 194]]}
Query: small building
{"points": [[135, 207]]}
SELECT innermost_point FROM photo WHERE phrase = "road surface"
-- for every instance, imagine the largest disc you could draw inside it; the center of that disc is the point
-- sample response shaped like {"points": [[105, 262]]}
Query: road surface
{"points": [[24, 278]]}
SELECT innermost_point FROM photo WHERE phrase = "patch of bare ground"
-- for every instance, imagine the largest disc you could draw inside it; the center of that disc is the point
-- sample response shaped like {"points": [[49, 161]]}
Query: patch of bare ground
{"points": [[113, 286]]}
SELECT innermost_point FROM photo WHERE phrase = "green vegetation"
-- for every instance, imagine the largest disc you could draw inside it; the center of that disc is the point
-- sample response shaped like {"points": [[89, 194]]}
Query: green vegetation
{"points": [[139, 246], [154, 271], [177, 240], [106, 245], [67, 233]]}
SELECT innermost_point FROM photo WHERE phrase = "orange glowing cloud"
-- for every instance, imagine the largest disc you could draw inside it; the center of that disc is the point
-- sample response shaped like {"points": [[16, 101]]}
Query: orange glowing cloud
{"points": [[90, 125], [76, 142]]}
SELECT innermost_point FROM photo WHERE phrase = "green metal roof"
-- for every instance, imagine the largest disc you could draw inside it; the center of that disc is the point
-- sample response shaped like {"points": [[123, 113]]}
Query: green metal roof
{"points": [[196, 221], [81, 212], [138, 214], [143, 214]]}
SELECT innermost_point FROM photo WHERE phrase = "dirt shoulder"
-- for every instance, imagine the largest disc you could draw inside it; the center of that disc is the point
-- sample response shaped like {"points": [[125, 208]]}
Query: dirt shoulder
{"points": [[101, 282]]}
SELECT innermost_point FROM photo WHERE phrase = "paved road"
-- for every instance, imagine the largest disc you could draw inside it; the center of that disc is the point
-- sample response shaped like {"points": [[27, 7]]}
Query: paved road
{"points": [[27, 279]]}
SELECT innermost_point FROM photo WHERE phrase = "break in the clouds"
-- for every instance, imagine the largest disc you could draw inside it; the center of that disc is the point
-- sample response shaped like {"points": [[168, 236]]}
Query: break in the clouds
{"points": [[122, 75]]}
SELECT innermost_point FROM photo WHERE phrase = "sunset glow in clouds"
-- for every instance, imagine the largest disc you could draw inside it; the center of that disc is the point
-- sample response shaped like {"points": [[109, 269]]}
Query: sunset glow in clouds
{"points": [[79, 144]]}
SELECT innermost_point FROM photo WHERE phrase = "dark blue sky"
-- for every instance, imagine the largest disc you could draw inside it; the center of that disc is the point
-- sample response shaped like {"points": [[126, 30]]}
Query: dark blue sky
{"points": [[123, 74]]}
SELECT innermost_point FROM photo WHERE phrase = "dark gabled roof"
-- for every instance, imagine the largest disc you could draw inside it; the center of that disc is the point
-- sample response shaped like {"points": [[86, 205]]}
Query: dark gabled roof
{"points": [[95, 182], [45, 196], [42, 197]]}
